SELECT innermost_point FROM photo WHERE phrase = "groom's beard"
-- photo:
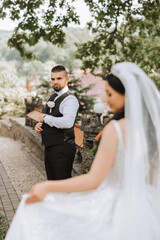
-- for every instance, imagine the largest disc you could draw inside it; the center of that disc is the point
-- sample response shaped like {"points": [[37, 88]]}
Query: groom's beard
{"points": [[57, 89]]}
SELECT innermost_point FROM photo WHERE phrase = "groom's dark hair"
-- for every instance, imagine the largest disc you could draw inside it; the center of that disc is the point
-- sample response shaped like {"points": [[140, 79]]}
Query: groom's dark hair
{"points": [[59, 68]]}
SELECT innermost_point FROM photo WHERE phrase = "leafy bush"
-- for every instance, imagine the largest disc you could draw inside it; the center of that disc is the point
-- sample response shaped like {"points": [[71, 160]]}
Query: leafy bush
{"points": [[3, 227]]}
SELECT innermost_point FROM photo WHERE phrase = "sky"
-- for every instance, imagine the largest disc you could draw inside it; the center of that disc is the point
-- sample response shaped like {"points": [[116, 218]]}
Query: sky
{"points": [[81, 9]]}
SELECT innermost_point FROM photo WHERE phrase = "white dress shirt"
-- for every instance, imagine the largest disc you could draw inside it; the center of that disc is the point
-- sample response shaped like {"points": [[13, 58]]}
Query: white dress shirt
{"points": [[68, 108]]}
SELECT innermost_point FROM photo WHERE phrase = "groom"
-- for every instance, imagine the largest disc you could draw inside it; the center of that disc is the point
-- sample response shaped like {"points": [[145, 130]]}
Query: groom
{"points": [[57, 127]]}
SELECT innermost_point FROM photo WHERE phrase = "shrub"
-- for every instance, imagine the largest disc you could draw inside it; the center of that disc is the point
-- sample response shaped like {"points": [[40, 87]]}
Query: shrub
{"points": [[3, 227]]}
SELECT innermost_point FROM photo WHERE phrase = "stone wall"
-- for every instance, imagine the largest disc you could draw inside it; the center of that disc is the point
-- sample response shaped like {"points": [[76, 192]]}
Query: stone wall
{"points": [[15, 128]]}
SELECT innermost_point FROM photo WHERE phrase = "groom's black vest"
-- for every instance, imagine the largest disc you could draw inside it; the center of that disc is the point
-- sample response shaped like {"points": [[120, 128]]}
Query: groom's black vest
{"points": [[56, 136]]}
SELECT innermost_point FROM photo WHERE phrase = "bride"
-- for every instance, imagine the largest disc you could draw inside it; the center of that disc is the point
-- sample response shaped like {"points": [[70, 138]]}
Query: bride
{"points": [[118, 199]]}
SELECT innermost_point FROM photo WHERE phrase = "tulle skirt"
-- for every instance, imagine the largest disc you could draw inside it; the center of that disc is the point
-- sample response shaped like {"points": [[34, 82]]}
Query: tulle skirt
{"points": [[102, 214]]}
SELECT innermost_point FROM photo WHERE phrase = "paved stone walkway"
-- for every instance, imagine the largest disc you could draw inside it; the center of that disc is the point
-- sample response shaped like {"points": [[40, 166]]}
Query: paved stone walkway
{"points": [[8, 197], [19, 171]]}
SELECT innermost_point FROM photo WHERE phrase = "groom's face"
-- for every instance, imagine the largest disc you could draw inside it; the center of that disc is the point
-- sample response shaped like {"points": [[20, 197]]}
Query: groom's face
{"points": [[59, 80]]}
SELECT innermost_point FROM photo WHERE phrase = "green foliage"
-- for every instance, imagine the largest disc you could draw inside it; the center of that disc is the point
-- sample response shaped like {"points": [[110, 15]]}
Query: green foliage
{"points": [[3, 227], [46, 53], [92, 152], [38, 19], [122, 31]]}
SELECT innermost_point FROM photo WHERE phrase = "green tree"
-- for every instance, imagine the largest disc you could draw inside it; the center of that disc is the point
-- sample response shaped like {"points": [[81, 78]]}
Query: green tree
{"points": [[86, 101], [122, 30], [45, 52], [123, 33], [38, 19]]}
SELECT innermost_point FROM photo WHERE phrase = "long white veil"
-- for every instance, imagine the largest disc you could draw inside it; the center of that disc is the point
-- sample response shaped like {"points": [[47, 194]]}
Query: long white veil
{"points": [[141, 178]]}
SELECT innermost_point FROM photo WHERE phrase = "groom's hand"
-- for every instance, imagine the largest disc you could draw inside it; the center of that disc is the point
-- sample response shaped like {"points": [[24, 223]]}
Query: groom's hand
{"points": [[38, 128]]}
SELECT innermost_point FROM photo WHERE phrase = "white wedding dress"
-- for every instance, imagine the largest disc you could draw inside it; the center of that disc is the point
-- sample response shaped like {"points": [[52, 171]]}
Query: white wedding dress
{"points": [[126, 206], [74, 216]]}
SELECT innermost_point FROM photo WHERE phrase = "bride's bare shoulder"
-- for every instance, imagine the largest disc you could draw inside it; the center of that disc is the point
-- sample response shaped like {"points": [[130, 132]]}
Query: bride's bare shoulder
{"points": [[109, 137], [110, 130]]}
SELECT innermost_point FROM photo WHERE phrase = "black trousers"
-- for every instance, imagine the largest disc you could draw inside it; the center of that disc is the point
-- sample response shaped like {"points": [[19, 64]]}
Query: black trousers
{"points": [[59, 161]]}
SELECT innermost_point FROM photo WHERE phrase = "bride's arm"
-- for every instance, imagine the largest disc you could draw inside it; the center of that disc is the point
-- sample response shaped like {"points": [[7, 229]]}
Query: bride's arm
{"points": [[101, 165]]}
